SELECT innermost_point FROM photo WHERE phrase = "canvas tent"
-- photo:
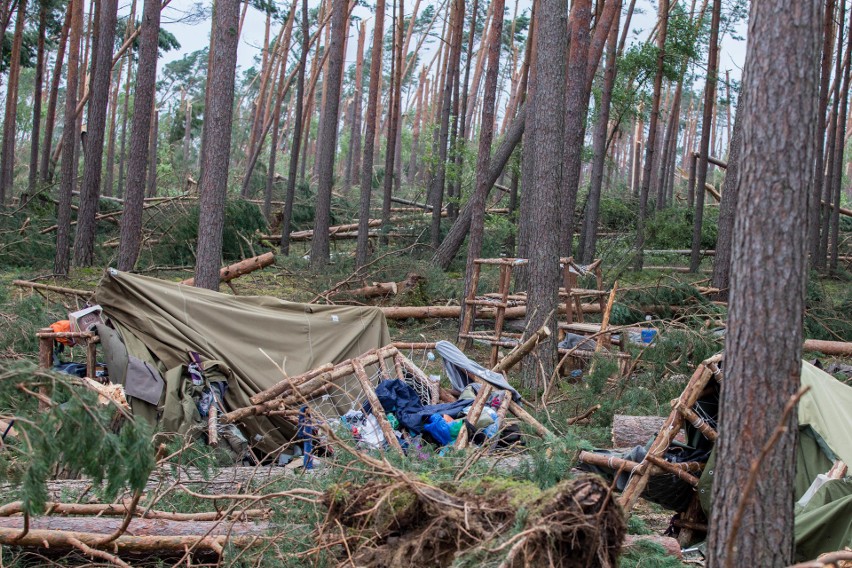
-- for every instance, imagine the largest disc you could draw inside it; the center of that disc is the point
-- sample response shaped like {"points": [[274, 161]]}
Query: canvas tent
{"points": [[824, 506], [242, 340]]}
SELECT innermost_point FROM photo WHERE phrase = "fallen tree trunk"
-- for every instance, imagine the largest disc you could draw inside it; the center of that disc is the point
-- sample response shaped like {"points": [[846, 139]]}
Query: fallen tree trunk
{"points": [[629, 431], [138, 527], [121, 509], [241, 268], [48, 288], [453, 312], [836, 348]]}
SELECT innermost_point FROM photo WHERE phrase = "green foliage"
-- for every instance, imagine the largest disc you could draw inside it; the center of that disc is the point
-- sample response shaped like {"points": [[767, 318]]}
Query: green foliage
{"points": [[647, 554], [828, 313], [22, 319], [671, 228], [76, 433], [242, 220], [617, 213]]}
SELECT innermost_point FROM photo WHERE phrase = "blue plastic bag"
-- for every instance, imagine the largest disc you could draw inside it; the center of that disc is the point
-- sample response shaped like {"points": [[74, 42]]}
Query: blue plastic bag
{"points": [[439, 429]]}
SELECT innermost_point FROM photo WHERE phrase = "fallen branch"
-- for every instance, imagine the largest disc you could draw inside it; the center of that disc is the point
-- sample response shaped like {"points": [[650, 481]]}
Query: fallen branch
{"points": [[48, 288]]}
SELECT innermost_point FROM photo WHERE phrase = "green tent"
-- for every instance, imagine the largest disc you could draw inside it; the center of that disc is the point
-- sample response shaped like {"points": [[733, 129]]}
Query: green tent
{"points": [[243, 341], [824, 506]]}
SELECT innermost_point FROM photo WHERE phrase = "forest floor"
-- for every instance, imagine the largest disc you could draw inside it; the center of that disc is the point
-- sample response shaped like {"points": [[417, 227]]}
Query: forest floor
{"points": [[687, 321]]}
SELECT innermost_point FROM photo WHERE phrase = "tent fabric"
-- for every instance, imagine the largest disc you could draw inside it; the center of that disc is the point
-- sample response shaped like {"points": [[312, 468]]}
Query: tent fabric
{"points": [[250, 335], [824, 524], [456, 363]]}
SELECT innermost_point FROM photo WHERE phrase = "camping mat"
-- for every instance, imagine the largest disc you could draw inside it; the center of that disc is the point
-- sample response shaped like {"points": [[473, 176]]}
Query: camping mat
{"points": [[252, 335]]}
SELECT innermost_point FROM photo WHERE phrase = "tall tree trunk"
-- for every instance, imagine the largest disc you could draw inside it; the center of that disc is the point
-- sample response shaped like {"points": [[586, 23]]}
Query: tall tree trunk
{"points": [[652, 133], [84, 239], [543, 193], [362, 245], [353, 166], [10, 122], [287, 217], [66, 186], [839, 147], [728, 210], [814, 207], [828, 181], [279, 102], [217, 151], [590, 227], [704, 145], [528, 154], [461, 120], [151, 176], [438, 184], [327, 137], [451, 244], [393, 123], [122, 150], [483, 160], [109, 180], [35, 133], [143, 102], [53, 97], [768, 283]]}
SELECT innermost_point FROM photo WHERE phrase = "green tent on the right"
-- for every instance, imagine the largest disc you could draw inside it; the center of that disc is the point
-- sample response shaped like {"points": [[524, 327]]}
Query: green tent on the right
{"points": [[824, 506]]}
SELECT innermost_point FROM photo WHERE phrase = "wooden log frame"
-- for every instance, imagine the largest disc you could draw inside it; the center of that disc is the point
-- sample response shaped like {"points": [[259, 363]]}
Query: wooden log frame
{"points": [[294, 391], [240, 268], [46, 342], [615, 463], [706, 371]]}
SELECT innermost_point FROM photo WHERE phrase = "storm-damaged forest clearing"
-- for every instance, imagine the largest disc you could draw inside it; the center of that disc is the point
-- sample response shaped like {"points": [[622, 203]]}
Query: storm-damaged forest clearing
{"points": [[425, 283]]}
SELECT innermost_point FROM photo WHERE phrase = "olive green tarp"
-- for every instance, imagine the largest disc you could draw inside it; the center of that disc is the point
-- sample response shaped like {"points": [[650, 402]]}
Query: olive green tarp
{"points": [[249, 336], [824, 523]]}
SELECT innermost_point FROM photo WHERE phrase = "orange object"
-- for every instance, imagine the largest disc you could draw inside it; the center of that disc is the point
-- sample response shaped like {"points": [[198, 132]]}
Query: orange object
{"points": [[62, 326]]}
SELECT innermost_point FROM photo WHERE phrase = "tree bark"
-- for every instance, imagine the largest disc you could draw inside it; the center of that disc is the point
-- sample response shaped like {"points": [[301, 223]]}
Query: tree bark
{"points": [[35, 133], [84, 239], [590, 227], [297, 135], [436, 190], [543, 193], [768, 283], [327, 137], [840, 146], [728, 210], [394, 120], [652, 134], [370, 136], [451, 244], [828, 180], [151, 176], [814, 207], [10, 122], [146, 84], [353, 167], [486, 135], [704, 146], [53, 97], [66, 187], [213, 184]]}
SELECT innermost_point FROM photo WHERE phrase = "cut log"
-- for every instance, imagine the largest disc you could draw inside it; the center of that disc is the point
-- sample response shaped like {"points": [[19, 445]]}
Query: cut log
{"points": [[630, 431], [121, 509], [378, 289], [241, 268], [454, 312], [836, 348], [670, 544]]}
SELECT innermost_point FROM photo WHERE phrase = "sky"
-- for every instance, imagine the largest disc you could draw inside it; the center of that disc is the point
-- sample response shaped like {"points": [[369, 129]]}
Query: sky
{"points": [[195, 36]]}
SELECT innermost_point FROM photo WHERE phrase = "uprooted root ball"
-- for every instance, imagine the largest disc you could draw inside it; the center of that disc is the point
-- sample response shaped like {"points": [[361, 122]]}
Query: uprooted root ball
{"points": [[410, 523]]}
